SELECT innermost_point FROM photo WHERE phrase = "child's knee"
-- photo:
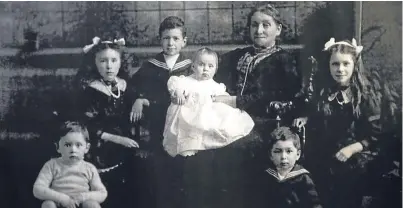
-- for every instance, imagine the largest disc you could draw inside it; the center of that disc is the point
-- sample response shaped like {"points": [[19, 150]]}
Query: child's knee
{"points": [[49, 204], [91, 204]]}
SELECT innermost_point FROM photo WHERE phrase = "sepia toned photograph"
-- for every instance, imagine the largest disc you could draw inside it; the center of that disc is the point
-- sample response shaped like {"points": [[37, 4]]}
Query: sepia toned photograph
{"points": [[201, 104]]}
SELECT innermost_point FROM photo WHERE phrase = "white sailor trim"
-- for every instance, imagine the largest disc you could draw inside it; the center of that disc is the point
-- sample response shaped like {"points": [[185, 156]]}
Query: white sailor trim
{"points": [[165, 66], [159, 63], [291, 174], [181, 64], [272, 172]]}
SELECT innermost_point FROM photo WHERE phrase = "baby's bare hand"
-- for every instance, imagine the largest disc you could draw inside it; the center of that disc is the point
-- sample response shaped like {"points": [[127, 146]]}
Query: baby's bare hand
{"points": [[78, 198], [178, 99], [71, 203], [181, 99]]}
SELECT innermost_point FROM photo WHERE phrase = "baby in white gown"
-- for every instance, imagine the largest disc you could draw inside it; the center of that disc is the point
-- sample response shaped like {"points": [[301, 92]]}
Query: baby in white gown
{"points": [[196, 122]]}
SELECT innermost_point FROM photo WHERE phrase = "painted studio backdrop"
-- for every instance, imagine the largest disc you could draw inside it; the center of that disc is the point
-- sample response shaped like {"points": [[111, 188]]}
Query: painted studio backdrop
{"points": [[40, 51]]}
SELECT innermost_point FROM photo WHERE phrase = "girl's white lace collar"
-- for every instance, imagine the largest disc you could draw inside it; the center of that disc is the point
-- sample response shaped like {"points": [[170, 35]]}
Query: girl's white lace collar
{"points": [[102, 87]]}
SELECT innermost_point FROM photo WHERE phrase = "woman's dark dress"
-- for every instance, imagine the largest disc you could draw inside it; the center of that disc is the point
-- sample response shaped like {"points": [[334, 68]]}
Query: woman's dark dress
{"points": [[274, 78]]}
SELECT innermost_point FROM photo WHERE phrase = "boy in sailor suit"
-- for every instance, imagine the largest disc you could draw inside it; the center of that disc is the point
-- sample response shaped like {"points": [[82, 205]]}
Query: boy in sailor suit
{"points": [[285, 184], [150, 82]]}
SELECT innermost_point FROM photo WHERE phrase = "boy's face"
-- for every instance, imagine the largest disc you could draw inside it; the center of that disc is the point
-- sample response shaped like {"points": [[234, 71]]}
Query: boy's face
{"points": [[284, 154], [108, 63], [172, 41], [73, 147], [205, 67]]}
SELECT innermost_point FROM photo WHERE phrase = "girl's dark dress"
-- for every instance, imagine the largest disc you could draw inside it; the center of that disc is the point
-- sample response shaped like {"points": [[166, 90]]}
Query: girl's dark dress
{"points": [[104, 113], [256, 79], [342, 184]]}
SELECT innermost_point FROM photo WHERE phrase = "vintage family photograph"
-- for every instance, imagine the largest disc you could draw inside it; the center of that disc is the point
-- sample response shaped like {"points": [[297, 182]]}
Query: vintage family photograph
{"points": [[201, 104]]}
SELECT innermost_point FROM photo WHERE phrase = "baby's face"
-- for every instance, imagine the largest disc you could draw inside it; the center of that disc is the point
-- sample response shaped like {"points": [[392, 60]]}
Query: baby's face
{"points": [[73, 147], [205, 66], [284, 154]]}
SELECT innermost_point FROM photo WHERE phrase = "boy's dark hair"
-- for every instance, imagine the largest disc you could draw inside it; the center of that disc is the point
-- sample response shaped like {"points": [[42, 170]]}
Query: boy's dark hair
{"points": [[284, 133], [72, 126], [172, 22]]}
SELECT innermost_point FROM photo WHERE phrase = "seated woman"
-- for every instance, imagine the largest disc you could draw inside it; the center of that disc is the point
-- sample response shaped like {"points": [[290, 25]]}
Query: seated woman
{"points": [[257, 76]]}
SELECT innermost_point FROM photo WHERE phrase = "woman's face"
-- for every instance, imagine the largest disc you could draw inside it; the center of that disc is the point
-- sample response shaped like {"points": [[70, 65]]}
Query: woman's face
{"points": [[341, 67], [263, 30], [108, 63]]}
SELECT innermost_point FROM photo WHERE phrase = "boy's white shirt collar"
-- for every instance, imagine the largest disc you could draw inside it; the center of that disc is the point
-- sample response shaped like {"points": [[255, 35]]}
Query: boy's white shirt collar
{"points": [[171, 60], [280, 176]]}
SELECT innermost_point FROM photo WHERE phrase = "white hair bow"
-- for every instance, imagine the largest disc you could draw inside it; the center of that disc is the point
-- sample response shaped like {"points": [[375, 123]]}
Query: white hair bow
{"points": [[353, 44], [97, 40]]}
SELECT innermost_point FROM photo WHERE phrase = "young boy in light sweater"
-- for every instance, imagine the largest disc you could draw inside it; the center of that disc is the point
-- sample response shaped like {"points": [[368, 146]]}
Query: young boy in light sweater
{"points": [[69, 181]]}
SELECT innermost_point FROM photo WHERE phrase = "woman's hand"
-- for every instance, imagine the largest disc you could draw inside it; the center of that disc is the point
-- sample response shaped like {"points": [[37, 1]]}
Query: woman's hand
{"points": [[300, 122], [127, 142], [227, 99], [345, 153], [137, 109]]}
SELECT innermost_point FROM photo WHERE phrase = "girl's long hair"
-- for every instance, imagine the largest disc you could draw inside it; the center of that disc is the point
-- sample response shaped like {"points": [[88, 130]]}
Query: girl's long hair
{"points": [[359, 84], [88, 70]]}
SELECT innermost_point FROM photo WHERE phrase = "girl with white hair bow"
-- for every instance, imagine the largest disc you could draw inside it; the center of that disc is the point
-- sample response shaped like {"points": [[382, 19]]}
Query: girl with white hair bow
{"points": [[343, 126], [105, 105]]}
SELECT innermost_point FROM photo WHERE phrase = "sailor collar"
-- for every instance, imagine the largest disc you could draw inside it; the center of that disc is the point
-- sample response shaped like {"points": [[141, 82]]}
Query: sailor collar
{"points": [[296, 171], [159, 61]]}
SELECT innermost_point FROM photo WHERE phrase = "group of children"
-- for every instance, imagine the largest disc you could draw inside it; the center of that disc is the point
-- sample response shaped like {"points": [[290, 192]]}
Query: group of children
{"points": [[177, 101]]}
